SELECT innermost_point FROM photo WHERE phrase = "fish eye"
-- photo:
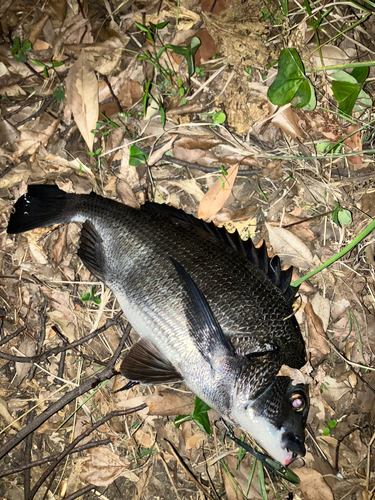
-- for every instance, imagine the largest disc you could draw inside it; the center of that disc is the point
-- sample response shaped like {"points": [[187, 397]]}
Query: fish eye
{"points": [[298, 401]]}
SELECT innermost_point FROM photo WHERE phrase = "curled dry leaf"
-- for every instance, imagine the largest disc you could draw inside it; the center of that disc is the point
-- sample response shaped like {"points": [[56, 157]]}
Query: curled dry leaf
{"points": [[313, 485], [104, 467], [158, 153], [218, 194], [82, 95], [315, 329], [296, 375], [126, 194], [287, 121], [289, 247]]}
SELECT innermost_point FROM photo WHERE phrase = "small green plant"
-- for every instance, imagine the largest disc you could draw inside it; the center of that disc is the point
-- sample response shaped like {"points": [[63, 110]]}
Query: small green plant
{"points": [[18, 51], [331, 424], [96, 154], [222, 179], [199, 71], [170, 85], [90, 297], [291, 83], [59, 93], [106, 122], [46, 68], [348, 91], [137, 156], [217, 118], [341, 216], [198, 416]]}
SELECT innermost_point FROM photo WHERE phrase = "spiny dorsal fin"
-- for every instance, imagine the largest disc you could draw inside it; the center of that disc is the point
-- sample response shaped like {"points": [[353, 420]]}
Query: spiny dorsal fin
{"points": [[257, 256], [147, 365]]}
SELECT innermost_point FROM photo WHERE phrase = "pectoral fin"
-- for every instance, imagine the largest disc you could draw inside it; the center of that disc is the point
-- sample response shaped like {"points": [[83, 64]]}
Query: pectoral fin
{"points": [[204, 327], [147, 365]]}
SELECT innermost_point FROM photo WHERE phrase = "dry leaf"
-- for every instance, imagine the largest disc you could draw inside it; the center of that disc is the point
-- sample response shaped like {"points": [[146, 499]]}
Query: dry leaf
{"points": [[322, 308], [82, 95], [158, 153], [167, 402], [126, 194], [313, 485], [59, 245], [286, 120], [289, 247], [353, 143], [316, 335], [104, 467], [217, 195], [7, 416]]}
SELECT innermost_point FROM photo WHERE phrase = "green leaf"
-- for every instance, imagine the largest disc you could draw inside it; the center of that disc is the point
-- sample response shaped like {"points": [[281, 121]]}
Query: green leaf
{"points": [[162, 115], [346, 94], [160, 26], [345, 217], [187, 52], [86, 296], [56, 64], [303, 95], [200, 406], [16, 46], [326, 431], [219, 117], [27, 46], [181, 418], [203, 423], [332, 424], [290, 76], [360, 74], [136, 156], [335, 214], [59, 93]]}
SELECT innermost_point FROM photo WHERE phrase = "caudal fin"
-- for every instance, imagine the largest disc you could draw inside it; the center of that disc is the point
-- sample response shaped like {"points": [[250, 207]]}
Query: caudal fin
{"points": [[42, 206]]}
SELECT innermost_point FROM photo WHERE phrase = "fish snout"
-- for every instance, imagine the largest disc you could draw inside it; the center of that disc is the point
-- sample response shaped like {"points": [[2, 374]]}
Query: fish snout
{"points": [[292, 444]]}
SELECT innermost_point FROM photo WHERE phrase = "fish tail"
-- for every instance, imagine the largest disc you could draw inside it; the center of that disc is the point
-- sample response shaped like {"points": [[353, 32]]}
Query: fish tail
{"points": [[41, 206]]}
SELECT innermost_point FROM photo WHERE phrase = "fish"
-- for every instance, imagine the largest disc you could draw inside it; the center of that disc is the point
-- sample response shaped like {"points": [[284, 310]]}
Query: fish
{"points": [[211, 310]]}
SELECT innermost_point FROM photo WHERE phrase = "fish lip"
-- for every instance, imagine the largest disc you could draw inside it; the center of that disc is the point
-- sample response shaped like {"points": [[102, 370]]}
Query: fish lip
{"points": [[293, 445]]}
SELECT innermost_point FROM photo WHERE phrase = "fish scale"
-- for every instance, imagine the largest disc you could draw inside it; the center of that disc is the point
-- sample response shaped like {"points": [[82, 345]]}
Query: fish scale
{"points": [[205, 314]]}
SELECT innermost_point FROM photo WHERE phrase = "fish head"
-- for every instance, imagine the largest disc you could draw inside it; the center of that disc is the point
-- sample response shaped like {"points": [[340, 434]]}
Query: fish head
{"points": [[277, 419]]}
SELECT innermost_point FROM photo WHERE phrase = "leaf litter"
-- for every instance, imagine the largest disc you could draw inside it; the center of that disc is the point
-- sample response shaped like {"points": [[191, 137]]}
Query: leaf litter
{"points": [[83, 78]]}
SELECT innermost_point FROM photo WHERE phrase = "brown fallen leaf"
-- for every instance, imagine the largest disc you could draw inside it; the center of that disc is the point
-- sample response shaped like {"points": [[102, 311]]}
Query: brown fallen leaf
{"points": [[286, 120], [82, 97], [104, 467], [353, 143], [316, 335], [289, 247], [59, 245], [313, 485], [218, 194]]}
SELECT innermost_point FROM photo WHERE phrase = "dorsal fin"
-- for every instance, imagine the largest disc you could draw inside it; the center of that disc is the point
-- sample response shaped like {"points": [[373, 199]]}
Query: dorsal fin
{"points": [[257, 256]]}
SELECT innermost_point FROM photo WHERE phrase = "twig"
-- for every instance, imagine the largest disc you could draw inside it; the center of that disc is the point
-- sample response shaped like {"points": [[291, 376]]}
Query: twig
{"points": [[45, 460], [58, 349], [200, 486], [105, 78], [67, 450], [12, 335], [182, 163], [106, 374], [80, 492], [28, 446]]}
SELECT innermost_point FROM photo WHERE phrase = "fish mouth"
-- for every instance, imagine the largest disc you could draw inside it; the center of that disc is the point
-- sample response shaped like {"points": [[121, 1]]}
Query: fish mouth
{"points": [[293, 445]]}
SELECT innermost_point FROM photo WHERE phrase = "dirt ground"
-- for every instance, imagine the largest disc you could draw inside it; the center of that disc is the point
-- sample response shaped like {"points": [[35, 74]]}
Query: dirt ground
{"points": [[112, 97]]}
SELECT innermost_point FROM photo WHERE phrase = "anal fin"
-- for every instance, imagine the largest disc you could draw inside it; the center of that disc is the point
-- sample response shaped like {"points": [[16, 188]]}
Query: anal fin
{"points": [[147, 365]]}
